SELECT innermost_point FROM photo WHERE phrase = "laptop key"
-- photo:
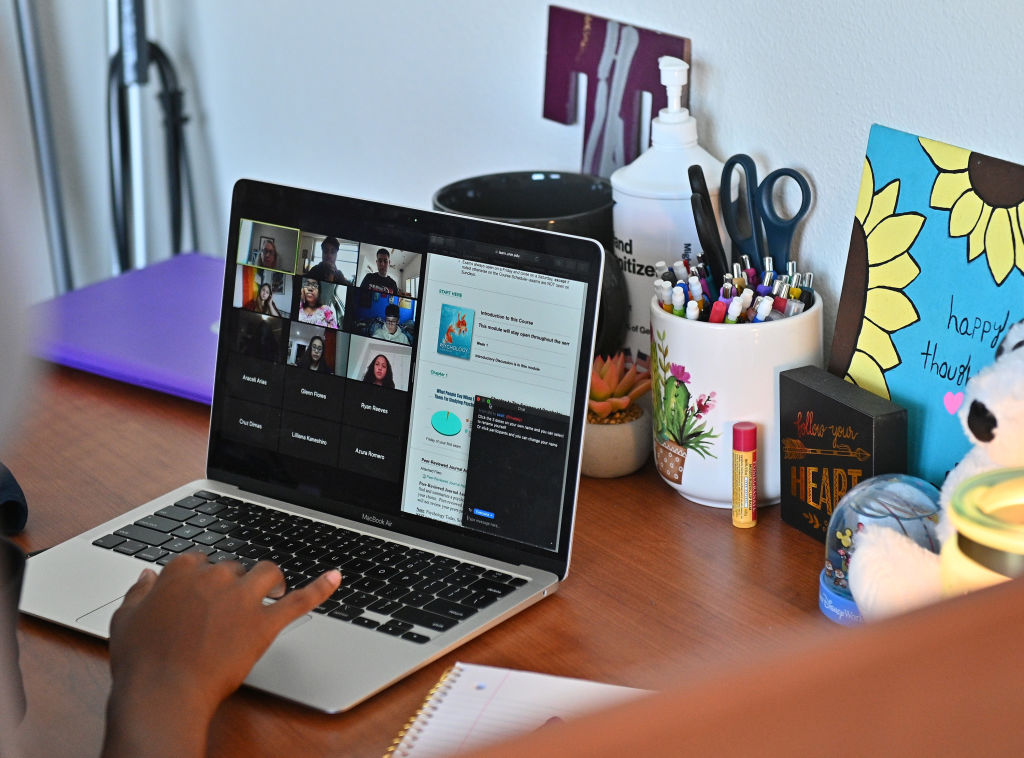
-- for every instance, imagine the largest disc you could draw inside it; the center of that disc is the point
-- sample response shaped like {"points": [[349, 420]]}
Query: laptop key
{"points": [[384, 607], [454, 592], [424, 618], [431, 586], [159, 523], [187, 531], [151, 554], [436, 571], [189, 502], [129, 547], [392, 592], [230, 544], [202, 519], [360, 599], [207, 538], [417, 598], [108, 541], [346, 612], [224, 527], [518, 581], [479, 600], [220, 556], [448, 608], [367, 584], [495, 588], [369, 623], [204, 549], [229, 500], [419, 639], [496, 576], [394, 627], [211, 508], [142, 534], [206, 495], [177, 545], [326, 606]]}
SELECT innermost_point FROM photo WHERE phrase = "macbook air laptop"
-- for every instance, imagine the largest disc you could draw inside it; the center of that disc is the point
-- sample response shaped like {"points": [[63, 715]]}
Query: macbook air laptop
{"points": [[398, 393], [119, 328]]}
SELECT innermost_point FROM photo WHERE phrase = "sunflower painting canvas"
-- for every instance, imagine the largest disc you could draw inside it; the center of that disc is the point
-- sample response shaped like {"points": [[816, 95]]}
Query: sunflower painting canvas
{"points": [[934, 277]]}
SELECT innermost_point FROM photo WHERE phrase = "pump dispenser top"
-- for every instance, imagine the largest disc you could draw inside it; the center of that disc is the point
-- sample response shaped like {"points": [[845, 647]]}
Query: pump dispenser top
{"points": [[674, 126]]}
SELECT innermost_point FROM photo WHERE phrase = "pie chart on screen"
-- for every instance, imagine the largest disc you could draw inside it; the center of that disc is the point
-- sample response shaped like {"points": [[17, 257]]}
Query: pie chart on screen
{"points": [[446, 423]]}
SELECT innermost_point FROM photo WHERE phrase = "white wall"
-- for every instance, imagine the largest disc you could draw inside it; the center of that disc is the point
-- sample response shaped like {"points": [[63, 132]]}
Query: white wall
{"points": [[395, 98]]}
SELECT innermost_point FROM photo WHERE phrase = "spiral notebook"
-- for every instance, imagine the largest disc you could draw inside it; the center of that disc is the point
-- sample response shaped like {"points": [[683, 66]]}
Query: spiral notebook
{"points": [[475, 705]]}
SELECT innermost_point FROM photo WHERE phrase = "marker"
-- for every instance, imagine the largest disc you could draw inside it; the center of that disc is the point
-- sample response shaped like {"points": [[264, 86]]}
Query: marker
{"points": [[660, 267], [666, 296], [725, 295], [750, 271], [744, 474], [763, 309], [794, 286], [696, 291], [747, 297], [692, 310], [717, 312], [765, 287], [807, 293], [780, 290], [678, 301], [732, 315]]}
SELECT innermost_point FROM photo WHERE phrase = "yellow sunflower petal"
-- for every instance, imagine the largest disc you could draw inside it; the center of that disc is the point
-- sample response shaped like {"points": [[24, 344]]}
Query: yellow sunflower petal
{"points": [[965, 214], [867, 189], [999, 245], [897, 273], [945, 157], [878, 344], [892, 236], [976, 242], [948, 188], [1020, 242], [890, 309], [883, 204], [865, 373]]}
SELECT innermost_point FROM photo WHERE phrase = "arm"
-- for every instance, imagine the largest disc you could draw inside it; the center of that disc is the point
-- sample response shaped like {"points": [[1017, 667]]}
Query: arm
{"points": [[169, 662]]}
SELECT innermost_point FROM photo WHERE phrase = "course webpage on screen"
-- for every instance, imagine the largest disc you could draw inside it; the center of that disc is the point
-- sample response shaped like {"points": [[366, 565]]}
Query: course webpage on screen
{"points": [[486, 332]]}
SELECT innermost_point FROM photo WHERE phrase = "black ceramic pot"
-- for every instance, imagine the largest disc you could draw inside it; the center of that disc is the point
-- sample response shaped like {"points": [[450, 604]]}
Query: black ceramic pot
{"points": [[558, 201]]}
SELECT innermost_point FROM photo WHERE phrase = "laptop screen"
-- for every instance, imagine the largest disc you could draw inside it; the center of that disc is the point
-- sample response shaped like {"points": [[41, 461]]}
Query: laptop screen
{"points": [[417, 371]]}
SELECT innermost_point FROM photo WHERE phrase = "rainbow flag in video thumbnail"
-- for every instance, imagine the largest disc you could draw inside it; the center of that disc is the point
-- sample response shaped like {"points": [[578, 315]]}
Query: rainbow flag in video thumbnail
{"points": [[456, 333]]}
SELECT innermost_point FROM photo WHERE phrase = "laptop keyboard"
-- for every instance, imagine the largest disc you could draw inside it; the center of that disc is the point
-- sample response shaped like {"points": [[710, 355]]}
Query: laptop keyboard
{"points": [[392, 588]]}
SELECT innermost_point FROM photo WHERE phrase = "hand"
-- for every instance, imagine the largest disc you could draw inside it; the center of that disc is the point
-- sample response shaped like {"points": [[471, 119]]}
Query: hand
{"points": [[181, 642]]}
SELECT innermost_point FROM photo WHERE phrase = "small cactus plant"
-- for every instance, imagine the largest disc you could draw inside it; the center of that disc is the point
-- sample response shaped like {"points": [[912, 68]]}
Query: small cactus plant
{"points": [[613, 389]]}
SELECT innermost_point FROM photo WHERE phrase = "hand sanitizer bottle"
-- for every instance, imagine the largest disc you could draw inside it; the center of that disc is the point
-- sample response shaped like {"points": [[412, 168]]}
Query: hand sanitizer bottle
{"points": [[652, 217]]}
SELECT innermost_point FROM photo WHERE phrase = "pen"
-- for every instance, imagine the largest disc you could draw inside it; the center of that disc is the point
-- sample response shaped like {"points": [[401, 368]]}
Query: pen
{"points": [[718, 310], [750, 271], [692, 310], [678, 301]]}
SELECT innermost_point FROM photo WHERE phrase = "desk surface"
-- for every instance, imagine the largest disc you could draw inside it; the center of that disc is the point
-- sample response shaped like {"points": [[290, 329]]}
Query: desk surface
{"points": [[658, 589]]}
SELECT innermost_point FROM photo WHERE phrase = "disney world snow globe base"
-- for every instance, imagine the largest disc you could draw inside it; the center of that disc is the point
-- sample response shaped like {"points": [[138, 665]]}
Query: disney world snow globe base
{"points": [[894, 501]]}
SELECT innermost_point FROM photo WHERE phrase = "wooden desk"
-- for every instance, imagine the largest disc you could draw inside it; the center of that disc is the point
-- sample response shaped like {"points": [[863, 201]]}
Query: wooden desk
{"points": [[658, 587]]}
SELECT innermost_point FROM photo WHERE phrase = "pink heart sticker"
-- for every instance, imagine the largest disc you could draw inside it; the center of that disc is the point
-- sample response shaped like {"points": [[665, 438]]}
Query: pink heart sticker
{"points": [[953, 402]]}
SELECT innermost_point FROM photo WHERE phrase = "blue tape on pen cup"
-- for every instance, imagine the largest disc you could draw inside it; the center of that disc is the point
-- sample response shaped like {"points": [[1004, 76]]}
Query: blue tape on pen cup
{"points": [[836, 607]]}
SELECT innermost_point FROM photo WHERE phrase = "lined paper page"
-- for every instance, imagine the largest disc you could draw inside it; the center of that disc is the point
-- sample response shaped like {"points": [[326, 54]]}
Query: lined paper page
{"points": [[476, 705]]}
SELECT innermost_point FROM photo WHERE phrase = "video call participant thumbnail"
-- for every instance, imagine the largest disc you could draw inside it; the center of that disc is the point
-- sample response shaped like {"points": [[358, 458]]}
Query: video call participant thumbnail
{"points": [[259, 336], [262, 291], [268, 246], [327, 269], [379, 280], [379, 364], [312, 309], [390, 331]]}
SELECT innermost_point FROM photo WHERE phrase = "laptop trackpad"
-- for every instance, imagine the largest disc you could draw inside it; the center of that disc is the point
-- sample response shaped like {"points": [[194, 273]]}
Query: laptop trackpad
{"points": [[98, 621]]}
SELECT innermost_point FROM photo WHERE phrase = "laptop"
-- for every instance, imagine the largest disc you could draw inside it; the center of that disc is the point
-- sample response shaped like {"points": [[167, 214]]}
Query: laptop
{"points": [[98, 329], [419, 427]]}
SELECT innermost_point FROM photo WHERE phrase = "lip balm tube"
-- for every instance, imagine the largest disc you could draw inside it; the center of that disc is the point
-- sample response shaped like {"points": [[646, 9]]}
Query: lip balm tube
{"points": [[744, 474]]}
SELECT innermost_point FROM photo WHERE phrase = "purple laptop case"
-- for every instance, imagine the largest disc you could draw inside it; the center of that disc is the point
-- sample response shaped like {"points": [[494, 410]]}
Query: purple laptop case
{"points": [[155, 327]]}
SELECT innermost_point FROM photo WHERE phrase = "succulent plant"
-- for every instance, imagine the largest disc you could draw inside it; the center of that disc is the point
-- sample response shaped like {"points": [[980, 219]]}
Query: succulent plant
{"points": [[613, 388]]}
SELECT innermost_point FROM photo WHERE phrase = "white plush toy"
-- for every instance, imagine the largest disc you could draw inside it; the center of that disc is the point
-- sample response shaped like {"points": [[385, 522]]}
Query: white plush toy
{"points": [[891, 574]]}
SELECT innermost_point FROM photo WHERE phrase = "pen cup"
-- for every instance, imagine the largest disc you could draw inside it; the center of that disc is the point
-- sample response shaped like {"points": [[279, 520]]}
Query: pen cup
{"points": [[706, 377]]}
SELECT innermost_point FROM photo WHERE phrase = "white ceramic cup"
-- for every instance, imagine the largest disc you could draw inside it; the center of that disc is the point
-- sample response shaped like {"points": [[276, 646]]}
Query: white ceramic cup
{"points": [[740, 364]]}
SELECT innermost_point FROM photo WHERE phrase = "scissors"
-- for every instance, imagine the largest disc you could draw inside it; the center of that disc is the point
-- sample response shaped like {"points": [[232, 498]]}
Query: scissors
{"points": [[707, 227], [759, 203]]}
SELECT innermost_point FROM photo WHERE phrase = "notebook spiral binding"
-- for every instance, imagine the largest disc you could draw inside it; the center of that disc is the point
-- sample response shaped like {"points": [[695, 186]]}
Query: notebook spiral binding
{"points": [[424, 713]]}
